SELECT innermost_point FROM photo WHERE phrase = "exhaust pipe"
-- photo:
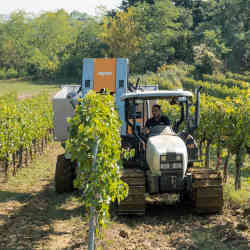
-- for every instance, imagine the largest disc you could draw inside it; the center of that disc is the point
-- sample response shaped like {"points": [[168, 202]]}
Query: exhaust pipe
{"points": [[197, 110]]}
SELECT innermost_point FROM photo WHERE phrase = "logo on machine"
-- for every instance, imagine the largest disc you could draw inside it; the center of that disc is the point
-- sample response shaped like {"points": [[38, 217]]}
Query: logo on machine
{"points": [[105, 73]]}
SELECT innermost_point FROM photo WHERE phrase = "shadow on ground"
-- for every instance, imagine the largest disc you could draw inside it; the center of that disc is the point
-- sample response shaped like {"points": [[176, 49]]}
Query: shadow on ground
{"points": [[32, 223], [166, 226], [184, 229], [6, 196]]}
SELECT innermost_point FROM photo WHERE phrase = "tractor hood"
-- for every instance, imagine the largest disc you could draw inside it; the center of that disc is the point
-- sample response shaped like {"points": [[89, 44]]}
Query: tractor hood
{"points": [[168, 146]]}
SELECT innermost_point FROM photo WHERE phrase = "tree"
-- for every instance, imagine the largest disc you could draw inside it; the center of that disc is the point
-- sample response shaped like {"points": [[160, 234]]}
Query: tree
{"points": [[129, 3], [52, 33], [15, 41], [205, 60], [226, 32], [122, 35], [143, 34], [87, 44], [80, 16]]}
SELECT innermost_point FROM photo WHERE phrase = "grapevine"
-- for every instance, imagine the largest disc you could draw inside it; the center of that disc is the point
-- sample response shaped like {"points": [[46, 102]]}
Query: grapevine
{"points": [[24, 124], [224, 121], [97, 121]]}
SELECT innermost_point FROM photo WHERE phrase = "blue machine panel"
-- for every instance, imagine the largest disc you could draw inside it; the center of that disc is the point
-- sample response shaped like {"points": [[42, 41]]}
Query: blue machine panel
{"points": [[121, 88], [87, 75]]}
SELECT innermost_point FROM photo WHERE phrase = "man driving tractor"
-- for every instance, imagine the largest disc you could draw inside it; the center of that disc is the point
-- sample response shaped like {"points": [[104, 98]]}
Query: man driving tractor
{"points": [[157, 119]]}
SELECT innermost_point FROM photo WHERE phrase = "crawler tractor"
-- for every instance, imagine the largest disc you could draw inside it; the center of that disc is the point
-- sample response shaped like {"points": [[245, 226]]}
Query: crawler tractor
{"points": [[164, 161]]}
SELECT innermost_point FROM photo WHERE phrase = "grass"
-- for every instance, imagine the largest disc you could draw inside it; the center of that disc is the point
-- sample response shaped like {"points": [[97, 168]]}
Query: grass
{"points": [[236, 199], [29, 87], [232, 198], [48, 220], [27, 177], [240, 198]]}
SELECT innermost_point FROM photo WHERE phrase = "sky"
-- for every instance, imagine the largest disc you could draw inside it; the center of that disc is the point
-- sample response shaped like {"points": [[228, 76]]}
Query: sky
{"points": [[37, 6]]}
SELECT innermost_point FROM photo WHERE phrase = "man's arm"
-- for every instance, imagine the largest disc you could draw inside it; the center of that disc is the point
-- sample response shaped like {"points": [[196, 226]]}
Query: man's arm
{"points": [[146, 130]]}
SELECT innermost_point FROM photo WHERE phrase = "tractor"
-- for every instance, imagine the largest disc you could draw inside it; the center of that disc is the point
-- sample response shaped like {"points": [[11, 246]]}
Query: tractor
{"points": [[165, 161]]}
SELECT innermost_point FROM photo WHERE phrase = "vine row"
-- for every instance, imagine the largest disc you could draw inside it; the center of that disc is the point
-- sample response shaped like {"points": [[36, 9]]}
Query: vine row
{"points": [[213, 89], [228, 82], [25, 129]]}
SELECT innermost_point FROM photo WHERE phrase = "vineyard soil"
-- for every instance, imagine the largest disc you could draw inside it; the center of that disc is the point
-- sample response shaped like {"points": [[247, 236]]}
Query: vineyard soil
{"points": [[33, 216]]}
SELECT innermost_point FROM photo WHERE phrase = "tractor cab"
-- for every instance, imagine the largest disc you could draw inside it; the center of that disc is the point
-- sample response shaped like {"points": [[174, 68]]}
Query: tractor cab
{"points": [[138, 106], [165, 153]]}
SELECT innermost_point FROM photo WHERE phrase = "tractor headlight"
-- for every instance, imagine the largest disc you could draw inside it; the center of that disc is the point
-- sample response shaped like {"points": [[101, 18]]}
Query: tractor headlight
{"points": [[165, 166], [178, 157], [163, 158], [177, 165]]}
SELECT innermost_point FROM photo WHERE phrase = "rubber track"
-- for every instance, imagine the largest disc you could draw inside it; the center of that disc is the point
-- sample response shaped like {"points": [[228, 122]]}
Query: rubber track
{"points": [[64, 174], [207, 190], [135, 201]]}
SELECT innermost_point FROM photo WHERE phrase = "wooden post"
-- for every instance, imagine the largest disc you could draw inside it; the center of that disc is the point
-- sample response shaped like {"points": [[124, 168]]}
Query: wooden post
{"points": [[207, 162], [226, 167], [92, 220]]}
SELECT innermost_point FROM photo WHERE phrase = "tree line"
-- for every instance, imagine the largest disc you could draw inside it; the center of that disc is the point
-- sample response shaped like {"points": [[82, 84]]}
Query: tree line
{"points": [[212, 35]]}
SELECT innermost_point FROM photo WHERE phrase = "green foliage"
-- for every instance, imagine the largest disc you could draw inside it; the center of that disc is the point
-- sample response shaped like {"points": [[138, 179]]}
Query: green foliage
{"points": [[86, 45], [52, 32], [205, 61], [39, 45], [160, 29], [226, 32], [22, 122], [121, 35], [96, 121], [167, 77], [129, 3], [2, 74], [144, 34], [236, 198], [14, 41], [228, 82], [213, 89], [240, 77], [150, 33], [11, 73], [225, 112], [164, 80]]}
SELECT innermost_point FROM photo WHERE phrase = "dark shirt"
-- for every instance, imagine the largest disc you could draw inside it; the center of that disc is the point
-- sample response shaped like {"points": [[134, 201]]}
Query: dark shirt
{"points": [[162, 121]]}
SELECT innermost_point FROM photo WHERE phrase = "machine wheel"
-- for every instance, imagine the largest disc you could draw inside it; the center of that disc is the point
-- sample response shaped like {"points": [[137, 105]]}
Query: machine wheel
{"points": [[207, 190], [65, 173], [135, 201]]}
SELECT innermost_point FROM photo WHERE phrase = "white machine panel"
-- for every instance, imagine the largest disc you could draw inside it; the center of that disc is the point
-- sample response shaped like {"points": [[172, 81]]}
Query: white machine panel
{"points": [[157, 146], [62, 110]]}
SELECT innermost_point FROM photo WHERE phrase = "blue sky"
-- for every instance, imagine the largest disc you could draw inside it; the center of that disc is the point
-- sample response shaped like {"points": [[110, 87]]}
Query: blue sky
{"points": [[37, 6]]}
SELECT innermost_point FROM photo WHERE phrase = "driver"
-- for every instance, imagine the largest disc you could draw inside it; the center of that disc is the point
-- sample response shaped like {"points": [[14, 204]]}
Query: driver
{"points": [[157, 119]]}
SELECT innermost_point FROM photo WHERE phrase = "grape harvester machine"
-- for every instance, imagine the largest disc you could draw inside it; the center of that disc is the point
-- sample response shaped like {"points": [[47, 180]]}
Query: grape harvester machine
{"points": [[164, 160]]}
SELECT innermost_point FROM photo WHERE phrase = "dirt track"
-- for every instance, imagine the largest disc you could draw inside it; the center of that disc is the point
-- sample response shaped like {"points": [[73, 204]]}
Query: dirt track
{"points": [[32, 216]]}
